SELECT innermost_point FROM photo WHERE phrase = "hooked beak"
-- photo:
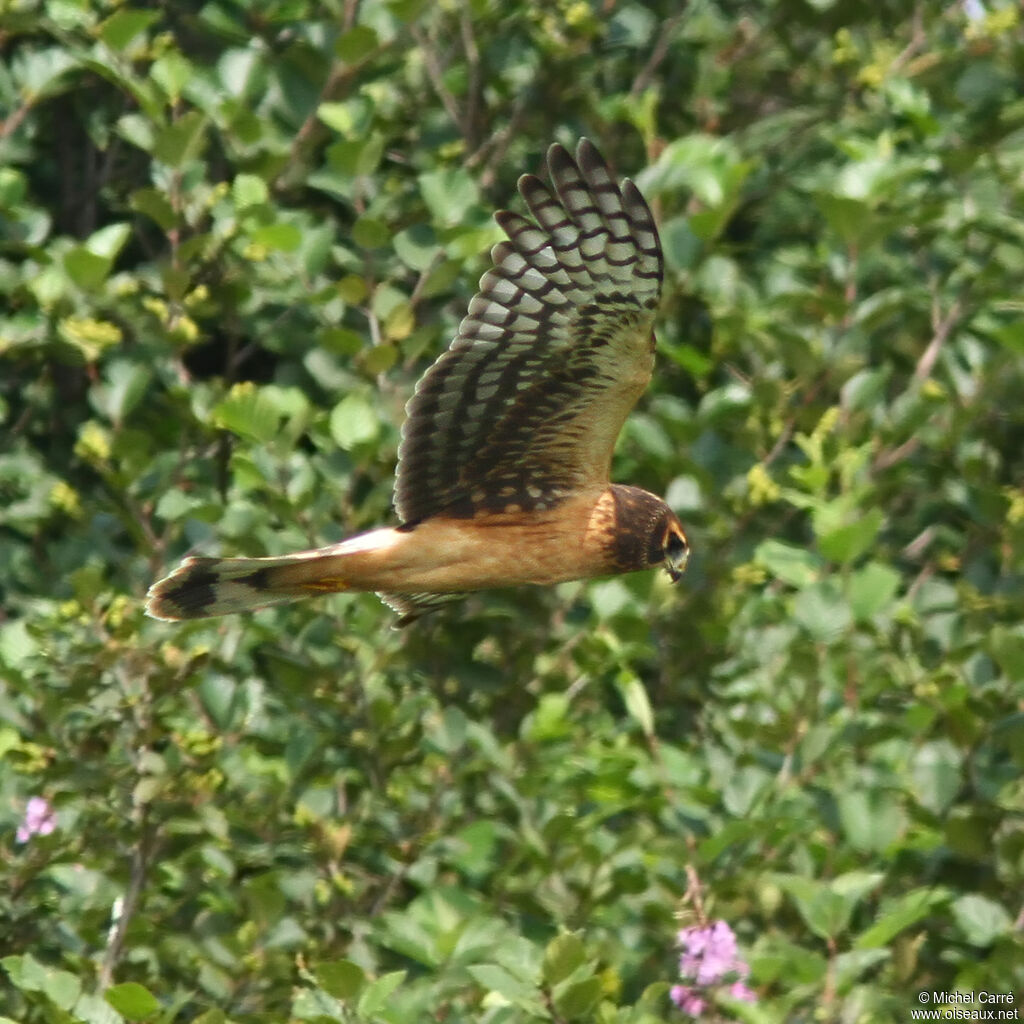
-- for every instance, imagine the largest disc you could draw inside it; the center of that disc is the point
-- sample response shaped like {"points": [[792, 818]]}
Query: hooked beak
{"points": [[675, 568]]}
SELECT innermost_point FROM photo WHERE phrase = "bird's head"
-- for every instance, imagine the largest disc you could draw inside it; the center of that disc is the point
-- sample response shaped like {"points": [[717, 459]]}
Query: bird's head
{"points": [[675, 548], [646, 533]]}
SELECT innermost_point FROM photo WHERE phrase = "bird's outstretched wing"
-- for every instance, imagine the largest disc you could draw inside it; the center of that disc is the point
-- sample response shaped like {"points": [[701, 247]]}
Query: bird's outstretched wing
{"points": [[524, 408]]}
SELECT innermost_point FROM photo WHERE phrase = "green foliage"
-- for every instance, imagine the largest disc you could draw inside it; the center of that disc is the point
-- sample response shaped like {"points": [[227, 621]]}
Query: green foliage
{"points": [[232, 235]]}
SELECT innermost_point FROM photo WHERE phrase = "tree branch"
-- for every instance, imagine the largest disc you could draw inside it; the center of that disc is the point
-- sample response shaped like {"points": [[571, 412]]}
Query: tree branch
{"points": [[665, 34], [141, 854]]}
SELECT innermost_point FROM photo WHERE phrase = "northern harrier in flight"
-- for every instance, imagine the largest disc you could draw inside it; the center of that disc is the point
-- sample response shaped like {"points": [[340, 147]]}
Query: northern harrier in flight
{"points": [[503, 468]]}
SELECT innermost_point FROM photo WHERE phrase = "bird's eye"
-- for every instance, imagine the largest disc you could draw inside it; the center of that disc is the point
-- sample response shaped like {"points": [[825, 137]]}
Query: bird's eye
{"points": [[675, 546]]}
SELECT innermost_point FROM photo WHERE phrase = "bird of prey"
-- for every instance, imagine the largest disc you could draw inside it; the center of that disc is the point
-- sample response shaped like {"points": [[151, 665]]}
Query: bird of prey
{"points": [[504, 463]]}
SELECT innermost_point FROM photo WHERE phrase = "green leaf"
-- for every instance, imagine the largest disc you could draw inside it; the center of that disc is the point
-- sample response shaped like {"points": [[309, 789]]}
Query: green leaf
{"points": [[683, 248], [248, 412], [249, 190], [847, 216], [476, 846], [417, 246], [562, 956], [496, 978], [155, 205], [109, 241], [980, 919], [41, 71], [823, 612], [211, 1016], [796, 566], [710, 166], [848, 542], [25, 972], [871, 589], [936, 774], [174, 504], [353, 422], [339, 116], [1011, 335], [743, 788], [282, 237], [9, 739], [17, 645], [124, 385], [549, 720], [219, 696], [341, 340], [449, 194], [371, 233], [178, 143], [124, 25], [610, 597], [1007, 646], [341, 978], [450, 734], [827, 907], [13, 187], [897, 915], [85, 268], [871, 820], [133, 1000], [63, 988], [356, 43], [634, 696], [579, 998], [172, 71], [376, 995], [92, 1009], [380, 358]]}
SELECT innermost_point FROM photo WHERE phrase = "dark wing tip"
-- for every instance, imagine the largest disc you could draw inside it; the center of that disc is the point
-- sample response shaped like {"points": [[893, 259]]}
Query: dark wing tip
{"points": [[558, 155], [589, 157], [530, 185]]}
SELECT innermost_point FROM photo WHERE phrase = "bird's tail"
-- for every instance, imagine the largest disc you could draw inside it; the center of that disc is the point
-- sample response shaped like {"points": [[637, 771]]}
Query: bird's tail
{"points": [[204, 587]]}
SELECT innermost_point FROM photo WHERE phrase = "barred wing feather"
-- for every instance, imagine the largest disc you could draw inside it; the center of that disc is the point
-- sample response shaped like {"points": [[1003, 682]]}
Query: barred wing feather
{"points": [[524, 408]]}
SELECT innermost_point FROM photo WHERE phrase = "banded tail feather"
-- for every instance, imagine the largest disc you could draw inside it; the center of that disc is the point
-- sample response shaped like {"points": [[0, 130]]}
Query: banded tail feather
{"points": [[201, 588]]}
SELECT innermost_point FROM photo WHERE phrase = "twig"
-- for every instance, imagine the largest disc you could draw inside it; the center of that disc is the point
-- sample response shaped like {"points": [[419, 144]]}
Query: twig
{"points": [[436, 76], [917, 547], [941, 327], [918, 38], [140, 865], [498, 143], [790, 427], [694, 893], [10, 125], [337, 85], [665, 33], [473, 89], [417, 292], [828, 995], [885, 459]]}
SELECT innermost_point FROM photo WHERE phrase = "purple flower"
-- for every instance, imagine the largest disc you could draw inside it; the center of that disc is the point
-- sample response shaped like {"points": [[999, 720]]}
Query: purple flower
{"points": [[39, 819], [687, 999], [709, 954], [740, 991], [709, 962]]}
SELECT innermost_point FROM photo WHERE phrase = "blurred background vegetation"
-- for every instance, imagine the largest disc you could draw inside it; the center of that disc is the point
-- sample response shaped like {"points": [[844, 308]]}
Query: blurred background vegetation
{"points": [[232, 235]]}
